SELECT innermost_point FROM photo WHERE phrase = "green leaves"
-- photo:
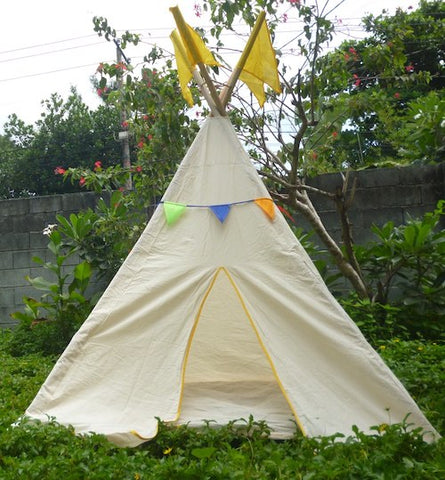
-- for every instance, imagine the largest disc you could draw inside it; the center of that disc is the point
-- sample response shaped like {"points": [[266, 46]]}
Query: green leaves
{"points": [[233, 452], [405, 268]]}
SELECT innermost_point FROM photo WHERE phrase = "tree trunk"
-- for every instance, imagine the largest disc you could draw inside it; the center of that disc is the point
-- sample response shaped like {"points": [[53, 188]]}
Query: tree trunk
{"points": [[304, 205]]}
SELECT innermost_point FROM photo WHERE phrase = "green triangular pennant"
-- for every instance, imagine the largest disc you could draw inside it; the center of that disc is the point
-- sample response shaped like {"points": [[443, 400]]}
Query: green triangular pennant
{"points": [[173, 211]]}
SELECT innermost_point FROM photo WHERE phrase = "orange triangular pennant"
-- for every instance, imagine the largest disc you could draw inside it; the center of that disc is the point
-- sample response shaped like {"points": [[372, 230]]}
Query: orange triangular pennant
{"points": [[267, 206]]}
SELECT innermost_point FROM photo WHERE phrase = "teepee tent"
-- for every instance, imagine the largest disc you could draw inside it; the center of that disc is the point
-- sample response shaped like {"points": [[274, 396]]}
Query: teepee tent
{"points": [[217, 314]]}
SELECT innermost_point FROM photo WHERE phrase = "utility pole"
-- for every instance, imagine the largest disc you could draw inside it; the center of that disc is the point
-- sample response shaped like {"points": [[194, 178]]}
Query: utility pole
{"points": [[123, 134]]}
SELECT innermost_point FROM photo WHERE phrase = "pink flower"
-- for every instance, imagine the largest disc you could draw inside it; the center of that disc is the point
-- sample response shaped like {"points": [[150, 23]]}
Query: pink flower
{"points": [[347, 57], [197, 9], [150, 136], [294, 2], [82, 181], [138, 169], [124, 124], [352, 50], [357, 81], [59, 170], [284, 17], [409, 68], [397, 95], [141, 144], [334, 135], [97, 166]]}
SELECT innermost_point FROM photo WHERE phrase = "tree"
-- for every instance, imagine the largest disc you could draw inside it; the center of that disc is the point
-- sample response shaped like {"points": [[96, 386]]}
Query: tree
{"points": [[390, 87], [68, 134], [328, 104], [157, 116]]}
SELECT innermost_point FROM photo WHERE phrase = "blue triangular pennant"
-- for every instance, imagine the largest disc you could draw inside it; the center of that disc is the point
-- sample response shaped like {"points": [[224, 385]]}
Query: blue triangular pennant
{"points": [[221, 211]]}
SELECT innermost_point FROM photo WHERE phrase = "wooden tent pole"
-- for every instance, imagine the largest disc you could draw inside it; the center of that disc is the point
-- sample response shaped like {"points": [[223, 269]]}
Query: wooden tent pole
{"points": [[183, 30], [226, 92]]}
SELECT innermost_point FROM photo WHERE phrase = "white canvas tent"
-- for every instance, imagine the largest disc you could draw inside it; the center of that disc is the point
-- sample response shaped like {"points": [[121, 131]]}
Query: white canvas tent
{"points": [[216, 321], [218, 313]]}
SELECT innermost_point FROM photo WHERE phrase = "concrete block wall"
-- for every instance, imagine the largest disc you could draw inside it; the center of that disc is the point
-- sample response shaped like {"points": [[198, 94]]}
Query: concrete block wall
{"points": [[22, 221], [381, 195]]}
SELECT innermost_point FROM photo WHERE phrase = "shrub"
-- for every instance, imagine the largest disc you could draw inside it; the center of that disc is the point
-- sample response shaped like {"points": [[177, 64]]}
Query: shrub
{"points": [[240, 450], [405, 268], [47, 324]]}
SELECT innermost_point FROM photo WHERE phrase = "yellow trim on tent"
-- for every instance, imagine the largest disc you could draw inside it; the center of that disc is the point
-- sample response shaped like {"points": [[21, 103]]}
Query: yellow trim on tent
{"points": [[192, 334], [260, 341]]}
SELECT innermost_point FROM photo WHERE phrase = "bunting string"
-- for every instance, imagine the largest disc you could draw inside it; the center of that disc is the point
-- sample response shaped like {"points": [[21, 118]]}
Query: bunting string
{"points": [[174, 210]]}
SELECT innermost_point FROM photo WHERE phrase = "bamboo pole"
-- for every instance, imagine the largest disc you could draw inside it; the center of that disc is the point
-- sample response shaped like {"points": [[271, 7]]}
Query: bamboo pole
{"points": [[226, 92], [185, 34]]}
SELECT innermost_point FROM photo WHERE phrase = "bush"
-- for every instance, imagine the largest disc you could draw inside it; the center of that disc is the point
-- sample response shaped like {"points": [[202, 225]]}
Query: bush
{"points": [[48, 323], [238, 451], [405, 268]]}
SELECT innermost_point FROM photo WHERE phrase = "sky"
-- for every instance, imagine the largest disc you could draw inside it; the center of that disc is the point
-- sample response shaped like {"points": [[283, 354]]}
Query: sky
{"points": [[48, 46]]}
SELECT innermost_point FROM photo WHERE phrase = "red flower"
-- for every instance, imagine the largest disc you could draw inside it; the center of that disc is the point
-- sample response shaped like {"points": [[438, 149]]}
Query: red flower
{"points": [[138, 169], [347, 57], [59, 170], [101, 91], [397, 95], [409, 68], [352, 50], [357, 81], [124, 124], [82, 181], [150, 136], [149, 84], [141, 144], [334, 135], [97, 166]]}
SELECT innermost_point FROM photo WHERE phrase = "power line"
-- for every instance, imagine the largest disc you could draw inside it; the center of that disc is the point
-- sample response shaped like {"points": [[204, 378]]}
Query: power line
{"points": [[47, 72], [46, 44], [49, 52]]}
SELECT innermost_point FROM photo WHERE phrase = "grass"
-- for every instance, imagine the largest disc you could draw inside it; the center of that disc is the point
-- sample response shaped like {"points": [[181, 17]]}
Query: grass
{"points": [[238, 451]]}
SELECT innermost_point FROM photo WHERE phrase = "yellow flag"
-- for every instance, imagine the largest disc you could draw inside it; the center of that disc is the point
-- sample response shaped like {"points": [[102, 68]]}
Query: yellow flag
{"points": [[261, 66], [187, 56], [184, 67]]}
